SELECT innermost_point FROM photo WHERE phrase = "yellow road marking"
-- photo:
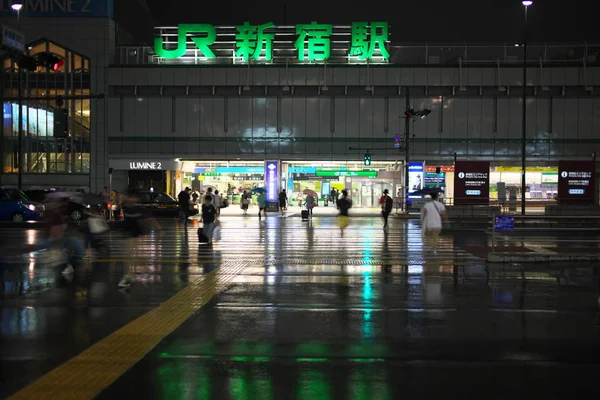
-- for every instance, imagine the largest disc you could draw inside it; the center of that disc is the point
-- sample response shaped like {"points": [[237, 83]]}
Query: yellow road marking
{"points": [[92, 371]]}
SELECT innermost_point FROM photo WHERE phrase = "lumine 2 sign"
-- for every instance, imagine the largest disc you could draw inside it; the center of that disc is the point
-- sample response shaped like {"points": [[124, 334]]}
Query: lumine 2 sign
{"points": [[312, 42]]}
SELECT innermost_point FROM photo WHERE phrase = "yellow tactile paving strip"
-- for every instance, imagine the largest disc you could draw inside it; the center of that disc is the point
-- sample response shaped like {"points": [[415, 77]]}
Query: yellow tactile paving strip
{"points": [[86, 375]]}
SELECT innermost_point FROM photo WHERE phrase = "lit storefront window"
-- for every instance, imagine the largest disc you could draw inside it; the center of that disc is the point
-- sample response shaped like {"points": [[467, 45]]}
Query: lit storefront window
{"points": [[45, 151]]}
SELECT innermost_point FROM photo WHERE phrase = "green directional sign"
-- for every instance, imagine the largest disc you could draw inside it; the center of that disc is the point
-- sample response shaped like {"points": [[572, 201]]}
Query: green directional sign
{"points": [[364, 174]]}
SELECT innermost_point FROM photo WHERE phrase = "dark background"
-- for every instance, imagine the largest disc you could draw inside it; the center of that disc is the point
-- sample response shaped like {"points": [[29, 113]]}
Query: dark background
{"points": [[435, 21]]}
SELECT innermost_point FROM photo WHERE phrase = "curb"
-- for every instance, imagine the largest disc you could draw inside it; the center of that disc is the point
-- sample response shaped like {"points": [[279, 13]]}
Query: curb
{"points": [[534, 257]]}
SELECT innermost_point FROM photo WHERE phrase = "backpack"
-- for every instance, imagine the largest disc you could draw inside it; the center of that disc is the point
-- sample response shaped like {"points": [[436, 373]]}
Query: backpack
{"points": [[389, 204]]}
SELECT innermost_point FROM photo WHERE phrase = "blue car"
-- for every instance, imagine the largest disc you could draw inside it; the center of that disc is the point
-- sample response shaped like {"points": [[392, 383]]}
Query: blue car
{"points": [[16, 206]]}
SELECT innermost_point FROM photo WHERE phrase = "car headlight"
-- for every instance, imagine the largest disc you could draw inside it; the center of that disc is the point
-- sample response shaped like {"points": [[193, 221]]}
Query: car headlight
{"points": [[87, 206], [31, 207]]}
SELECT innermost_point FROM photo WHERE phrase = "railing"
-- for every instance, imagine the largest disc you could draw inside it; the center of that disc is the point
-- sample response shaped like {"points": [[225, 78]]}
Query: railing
{"points": [[579, 230], [428, 54]]}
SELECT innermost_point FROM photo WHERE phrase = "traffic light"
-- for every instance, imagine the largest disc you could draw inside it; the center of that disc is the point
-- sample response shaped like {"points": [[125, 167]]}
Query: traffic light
{"points": [[49, 61], [367, 159], [410, 113], [27, 63], [45, 60]]}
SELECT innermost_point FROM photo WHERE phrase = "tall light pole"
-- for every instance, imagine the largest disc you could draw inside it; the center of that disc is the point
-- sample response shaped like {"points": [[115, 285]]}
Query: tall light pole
{"points": [[17, 7], [526, 4]]}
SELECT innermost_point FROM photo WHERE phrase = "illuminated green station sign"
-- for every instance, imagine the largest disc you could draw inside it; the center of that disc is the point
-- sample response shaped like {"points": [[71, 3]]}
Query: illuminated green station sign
{"points": [[312, 41], [367, 174]]}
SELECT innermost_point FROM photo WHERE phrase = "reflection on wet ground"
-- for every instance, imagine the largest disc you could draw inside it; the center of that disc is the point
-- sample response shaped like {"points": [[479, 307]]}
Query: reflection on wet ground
{"points": [[312, 314]]}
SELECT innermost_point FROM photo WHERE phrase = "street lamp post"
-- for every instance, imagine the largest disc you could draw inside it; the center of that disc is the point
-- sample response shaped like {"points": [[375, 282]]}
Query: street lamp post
{"points": [[17, 7], [526, 4]]}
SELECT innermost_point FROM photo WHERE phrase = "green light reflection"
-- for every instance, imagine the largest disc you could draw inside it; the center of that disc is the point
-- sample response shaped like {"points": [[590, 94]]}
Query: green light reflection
{"points": [[313, 385], [242, 387]]}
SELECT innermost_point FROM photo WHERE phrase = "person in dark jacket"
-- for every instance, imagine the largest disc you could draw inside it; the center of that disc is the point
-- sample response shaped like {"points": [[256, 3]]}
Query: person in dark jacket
{"points": [[184, 204]]}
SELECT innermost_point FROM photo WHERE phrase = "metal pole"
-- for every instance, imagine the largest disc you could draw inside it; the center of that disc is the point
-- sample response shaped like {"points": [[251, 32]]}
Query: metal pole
{"points": [[493, 233], [21, 163], [406, 150], [524, 128]]}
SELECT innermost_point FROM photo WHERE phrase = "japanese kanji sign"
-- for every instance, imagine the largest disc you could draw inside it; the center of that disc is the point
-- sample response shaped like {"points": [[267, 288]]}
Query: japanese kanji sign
{"points": [[312, 42]]}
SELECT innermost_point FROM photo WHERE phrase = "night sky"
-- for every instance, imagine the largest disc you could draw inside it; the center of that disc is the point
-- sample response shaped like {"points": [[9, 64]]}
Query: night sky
{"points": [[411, 21]]}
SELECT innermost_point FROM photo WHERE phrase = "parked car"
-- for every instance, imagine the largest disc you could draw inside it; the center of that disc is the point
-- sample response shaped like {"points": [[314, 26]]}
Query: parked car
{"points": [[160, 204], [79, 203], [16, 206]]}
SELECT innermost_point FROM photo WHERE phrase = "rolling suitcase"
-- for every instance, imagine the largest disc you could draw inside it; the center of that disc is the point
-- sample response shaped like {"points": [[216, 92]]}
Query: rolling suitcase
{"points": [[201, 236], [304, 214]]}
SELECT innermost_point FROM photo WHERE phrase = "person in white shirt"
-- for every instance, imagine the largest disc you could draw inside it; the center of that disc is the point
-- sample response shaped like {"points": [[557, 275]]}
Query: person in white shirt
{"points": [[432, 214], [217, 201]]}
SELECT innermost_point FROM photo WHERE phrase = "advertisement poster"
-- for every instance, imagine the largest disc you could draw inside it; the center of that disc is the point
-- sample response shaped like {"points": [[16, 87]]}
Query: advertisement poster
{"points": [[472, 183], [435, 180], [576, 182], [416, 177]]}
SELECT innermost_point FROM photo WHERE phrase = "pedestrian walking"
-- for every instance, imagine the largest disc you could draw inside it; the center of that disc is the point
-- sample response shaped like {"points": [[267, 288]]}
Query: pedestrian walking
{"points": [[217, 202], [57, 216], [135, 224], [184, 204], [343, 205], [244, 202], [208, 219], [387, 205], [283, 199], [262, 205], [310, 203], [432, 214], [209, 192]]}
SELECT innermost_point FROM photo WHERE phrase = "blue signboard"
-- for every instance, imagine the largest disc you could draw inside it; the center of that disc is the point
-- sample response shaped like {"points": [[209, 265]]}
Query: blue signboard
{"points": [[504, 223], [60, 8], [272, 180], [302, 170]]}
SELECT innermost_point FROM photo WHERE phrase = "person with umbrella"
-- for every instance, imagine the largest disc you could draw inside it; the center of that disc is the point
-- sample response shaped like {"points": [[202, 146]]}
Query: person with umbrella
{"points": [[310, 202]]}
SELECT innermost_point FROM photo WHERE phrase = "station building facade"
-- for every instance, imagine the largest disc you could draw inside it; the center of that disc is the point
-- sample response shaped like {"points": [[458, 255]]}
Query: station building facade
{"points": [[208, 106]]}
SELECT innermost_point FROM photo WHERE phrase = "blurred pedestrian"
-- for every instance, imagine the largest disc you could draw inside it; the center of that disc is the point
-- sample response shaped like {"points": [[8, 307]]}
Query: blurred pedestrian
{"points": [[57, 217], [310, 203], [283, 199], [245, 201], [208, 219], [217, 202], [387, 205], [184, 204], [343, 205], [262, 205], [135, 224], [432, 214]]}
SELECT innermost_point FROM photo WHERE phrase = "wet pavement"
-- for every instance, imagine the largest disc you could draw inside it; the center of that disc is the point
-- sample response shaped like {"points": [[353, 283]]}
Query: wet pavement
{"points": [[287, 309]]}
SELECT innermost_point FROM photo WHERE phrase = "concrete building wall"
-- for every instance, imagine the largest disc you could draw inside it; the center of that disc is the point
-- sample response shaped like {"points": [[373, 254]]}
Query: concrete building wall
{"points": [[257, 112]]}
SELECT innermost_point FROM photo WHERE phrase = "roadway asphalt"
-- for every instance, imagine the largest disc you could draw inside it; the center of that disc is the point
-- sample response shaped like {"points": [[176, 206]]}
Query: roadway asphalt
{"points": [[288, 309]]}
